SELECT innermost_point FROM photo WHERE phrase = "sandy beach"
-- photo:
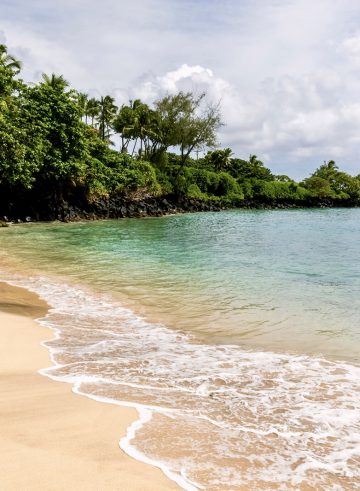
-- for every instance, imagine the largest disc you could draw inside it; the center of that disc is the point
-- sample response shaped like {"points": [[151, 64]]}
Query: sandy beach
{"points": [[52, 439]]}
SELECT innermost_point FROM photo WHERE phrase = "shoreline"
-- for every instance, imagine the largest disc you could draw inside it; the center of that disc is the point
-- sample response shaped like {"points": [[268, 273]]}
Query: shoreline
{"points": [[119, 207], [105, 349], [52, 439]]}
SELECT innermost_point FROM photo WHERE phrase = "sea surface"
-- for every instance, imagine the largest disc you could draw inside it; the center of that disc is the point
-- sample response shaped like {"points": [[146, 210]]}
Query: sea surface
{"points": [[236, 335]]}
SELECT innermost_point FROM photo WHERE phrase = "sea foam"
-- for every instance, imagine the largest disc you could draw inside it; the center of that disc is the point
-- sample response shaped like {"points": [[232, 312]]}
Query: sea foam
{"points": [[211, 417]]}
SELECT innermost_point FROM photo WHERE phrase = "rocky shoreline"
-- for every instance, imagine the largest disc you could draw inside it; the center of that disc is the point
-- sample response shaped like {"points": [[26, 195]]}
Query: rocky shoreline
{"points": [[122, 207]]}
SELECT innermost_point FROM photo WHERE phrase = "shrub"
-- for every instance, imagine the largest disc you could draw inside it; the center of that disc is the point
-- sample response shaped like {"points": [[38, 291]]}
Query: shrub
{"points": [[279, 190], [210, 183], [319, 187], [193, 191]]}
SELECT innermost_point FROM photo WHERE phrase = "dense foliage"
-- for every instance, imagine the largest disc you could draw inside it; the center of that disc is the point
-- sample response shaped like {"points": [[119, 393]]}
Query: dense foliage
{"points": [[54, 140]]}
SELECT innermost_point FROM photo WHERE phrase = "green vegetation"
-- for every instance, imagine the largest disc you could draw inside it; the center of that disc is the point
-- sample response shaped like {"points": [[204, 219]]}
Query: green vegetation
{"points": [[58, 143]]}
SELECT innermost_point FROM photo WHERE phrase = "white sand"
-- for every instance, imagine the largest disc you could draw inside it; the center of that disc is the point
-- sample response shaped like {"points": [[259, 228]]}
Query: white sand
{"points": [[52, 439]]}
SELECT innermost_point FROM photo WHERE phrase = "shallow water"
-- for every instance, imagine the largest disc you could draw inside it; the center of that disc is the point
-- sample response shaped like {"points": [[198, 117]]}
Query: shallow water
{"points": [[239, 330]]}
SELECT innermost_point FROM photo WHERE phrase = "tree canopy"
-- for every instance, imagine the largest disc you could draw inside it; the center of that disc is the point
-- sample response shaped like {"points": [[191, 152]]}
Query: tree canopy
{"points": [[54, 140]]}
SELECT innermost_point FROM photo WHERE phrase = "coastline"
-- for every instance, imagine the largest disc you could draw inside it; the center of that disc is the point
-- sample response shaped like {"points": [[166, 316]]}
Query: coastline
{"points": [[52, 439], [116, 207]]}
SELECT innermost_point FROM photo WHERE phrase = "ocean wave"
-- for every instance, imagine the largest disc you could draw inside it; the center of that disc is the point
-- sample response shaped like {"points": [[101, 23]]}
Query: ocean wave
{"points": [[210, 416]]}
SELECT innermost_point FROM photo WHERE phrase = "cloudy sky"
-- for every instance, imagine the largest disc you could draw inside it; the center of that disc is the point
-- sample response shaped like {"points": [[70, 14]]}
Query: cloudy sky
{"points": [[287, 72]]}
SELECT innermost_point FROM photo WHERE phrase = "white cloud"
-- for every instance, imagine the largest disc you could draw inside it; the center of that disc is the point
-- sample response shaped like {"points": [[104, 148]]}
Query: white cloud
{"points": [[301, 118], [40, 55], [286, 71], [351, 46]]}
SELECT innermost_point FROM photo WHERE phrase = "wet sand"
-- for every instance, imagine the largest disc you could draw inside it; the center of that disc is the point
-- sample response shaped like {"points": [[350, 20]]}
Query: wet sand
{"points": [[52, 439]]}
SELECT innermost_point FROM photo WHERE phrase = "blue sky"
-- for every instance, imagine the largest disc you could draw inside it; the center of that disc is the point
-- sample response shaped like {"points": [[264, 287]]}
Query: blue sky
{"points": [[286, 72]]}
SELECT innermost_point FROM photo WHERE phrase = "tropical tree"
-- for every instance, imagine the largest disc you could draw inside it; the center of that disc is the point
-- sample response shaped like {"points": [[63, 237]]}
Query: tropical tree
{"points": [[138, 123], [177, 121], [219, 159], [142, 123], [56, 82], [82, 100], [58, 122], [127, 122], [254, 161], [186, 124], [9, 68], [319, 187], [92, 110], [145, 129], [123, 124], [8, 61], [329, 177], [249, 169], [283, 178], [21, 145], [106, 116]]}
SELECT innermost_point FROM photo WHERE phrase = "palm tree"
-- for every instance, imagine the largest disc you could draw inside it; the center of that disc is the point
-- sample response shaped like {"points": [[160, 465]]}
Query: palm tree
{"points": [[107, 112], [123, 125], [328, 171], [92, 110], [331, 165], [82, 100], [141, 125], [9, 62], [152, 134], [56, 82], [134, 122], [253, 160], [9, 68], [221, 159]]}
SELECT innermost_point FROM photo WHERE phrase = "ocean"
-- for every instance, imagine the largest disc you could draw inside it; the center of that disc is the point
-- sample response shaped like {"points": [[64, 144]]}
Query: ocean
{"points": [[235, 334]]}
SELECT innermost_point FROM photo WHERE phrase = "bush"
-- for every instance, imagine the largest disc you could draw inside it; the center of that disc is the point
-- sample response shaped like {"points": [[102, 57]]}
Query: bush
{"points": [[247, 189], [164, 182], [98, 178], [227, 185], [279, 190], [135, 176], [125, 176], [193, 191], [319, 187], [210, 183]]}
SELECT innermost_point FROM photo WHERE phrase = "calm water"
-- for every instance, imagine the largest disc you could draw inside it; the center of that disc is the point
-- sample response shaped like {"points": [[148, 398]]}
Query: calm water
{"points": [[236, 334]]}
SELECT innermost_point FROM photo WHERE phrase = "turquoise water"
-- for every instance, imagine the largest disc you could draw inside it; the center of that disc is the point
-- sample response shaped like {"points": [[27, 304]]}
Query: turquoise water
{"points": [[236, 334], [283, 280]]}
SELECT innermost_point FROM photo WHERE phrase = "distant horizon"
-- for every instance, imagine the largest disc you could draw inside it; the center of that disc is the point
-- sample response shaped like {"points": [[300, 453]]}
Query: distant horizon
{"points": [[287, 80]]}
